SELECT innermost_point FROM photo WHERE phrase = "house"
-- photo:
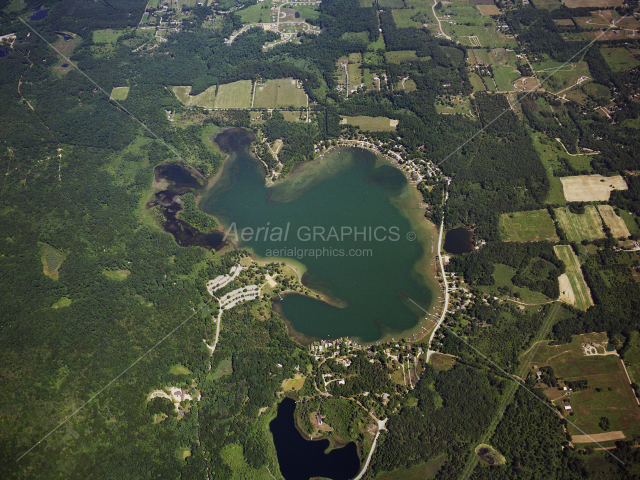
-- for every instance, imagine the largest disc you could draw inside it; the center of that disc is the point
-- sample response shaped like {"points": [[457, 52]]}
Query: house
{"points": [[567, 407]]}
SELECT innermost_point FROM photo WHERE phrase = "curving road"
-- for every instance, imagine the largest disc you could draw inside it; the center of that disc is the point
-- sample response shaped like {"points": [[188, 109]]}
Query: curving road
{"points": [[435, 2]]}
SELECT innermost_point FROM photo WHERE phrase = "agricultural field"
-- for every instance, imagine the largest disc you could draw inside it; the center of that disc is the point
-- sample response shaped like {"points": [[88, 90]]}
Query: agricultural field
{"points": [[119, 93], [487, 10], [613, 221], [489, 83], [401, 56], [591, 188], [504, 78], [632, 357], [258, 13], [630, 221], [234, 95], [372, 124], [573, 288], [532, 226], [205, 99], [608, 394], [51, 260], [283, 92], [587, 226], [620, 59], [592, 3], [354, 68], [477, 83]]}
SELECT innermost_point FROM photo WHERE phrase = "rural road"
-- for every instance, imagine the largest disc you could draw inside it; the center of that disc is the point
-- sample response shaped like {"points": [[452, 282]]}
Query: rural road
{"points": [[381, 425], [435, 2], [444, 279]]}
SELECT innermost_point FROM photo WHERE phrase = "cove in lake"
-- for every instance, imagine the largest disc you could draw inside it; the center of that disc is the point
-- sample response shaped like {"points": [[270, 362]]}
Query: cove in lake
{"points": [[301, 459], [366, 296], [458, 240], [177, 180]]}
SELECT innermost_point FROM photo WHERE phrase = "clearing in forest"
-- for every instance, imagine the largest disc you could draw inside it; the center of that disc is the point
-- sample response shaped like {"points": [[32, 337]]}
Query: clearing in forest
{"points": [[591, 188], [578, 227], [581, 293], [613, 221], [119, 93], [51, 260], [372, 124], [532, 226]]}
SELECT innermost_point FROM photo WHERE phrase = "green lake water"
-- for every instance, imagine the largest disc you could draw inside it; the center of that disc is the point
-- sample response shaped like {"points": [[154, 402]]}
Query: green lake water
{"points": [[367, 274]]}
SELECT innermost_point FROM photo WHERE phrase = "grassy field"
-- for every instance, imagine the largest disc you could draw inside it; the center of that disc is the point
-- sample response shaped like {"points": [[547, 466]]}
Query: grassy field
{"points": [[587, 226], [355, 70], [442, 362], [294, 383], [455, 105], [504, 77], [401, 56], [106, 36], [531, 226], [632, 357], [417, 472], [116, 274], [206, 99], [489, 83], [630, 222], [574, 272], [51, 260], [182, 453], [179, 370], [63, 302], [563, 79], [549, 150], [279, 93], [259, 13], [613, 221], [119, 93], [477, 83], [619, 59], [234, 95], [232, 454], [615, 400], [223, 369], [373, 124]]}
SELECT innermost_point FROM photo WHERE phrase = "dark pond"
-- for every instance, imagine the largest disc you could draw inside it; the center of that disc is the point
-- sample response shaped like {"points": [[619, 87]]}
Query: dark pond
{"points": [[297, 15], [182, 180], [302, 459], [65, 65], [39, 15], [458, 240], [3, 52], [66, 36]]}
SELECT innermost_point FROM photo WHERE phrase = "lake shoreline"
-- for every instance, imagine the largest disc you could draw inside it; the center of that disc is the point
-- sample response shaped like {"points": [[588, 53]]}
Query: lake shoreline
{"points": [[408, 204]]}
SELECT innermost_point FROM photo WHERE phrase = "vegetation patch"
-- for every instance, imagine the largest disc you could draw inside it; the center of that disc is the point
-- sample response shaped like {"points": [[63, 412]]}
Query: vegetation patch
{"points": [[619, 59], [63, 302], [371, 124], [531, 226], [116, 274], [573, 271], [119, 93], [182, 453], [424, 471], [489, 455], [107, 36], [234, 95], [223, 369], [578, 227], [295, 383], [179, 370], [51, 260]]}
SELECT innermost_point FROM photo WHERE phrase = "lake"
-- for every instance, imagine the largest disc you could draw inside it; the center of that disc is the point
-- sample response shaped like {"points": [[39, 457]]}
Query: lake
{"points": [[351, 226], [39, 15], [301, 459]]}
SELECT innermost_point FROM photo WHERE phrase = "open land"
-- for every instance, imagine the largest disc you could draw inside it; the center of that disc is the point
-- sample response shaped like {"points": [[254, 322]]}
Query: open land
{"points": [[234, 95], [613, 221], [373, 124], [119, 93], [591, 188], [531, 226], [587, 226], [283, 92], [608, 394], [581, 292]]}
